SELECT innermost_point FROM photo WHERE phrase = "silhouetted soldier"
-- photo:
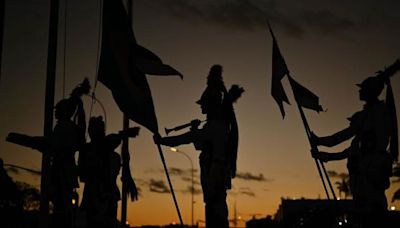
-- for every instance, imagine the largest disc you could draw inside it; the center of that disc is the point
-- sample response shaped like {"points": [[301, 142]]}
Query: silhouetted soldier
{"points": [[65, 141], [369, 163], [67, 137], [99, 167], [216, 140]]}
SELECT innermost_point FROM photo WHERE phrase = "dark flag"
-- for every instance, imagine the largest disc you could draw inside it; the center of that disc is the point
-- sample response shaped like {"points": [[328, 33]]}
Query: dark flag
{"points": [[123, 65], [149, 63], [305, 97], [279, 70]]}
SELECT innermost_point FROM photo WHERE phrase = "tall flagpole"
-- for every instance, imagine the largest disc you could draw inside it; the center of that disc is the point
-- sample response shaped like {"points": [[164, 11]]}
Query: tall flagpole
{"points": [[170, 184], [125, 163], [48, 111], [318, 163], [125, 150]]}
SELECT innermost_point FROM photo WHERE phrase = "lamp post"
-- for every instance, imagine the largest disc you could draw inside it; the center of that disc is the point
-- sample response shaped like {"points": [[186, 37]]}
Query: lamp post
{"points": [[173, 149]]}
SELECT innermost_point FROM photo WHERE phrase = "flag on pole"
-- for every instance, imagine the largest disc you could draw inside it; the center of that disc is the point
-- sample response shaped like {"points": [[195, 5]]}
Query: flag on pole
{"points": [[123, 65], [305, 97], [149, 63], [279, 71]]}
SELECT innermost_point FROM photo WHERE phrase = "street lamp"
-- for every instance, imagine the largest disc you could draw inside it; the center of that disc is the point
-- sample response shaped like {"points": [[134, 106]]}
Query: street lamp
{"points": [[173, 149]]}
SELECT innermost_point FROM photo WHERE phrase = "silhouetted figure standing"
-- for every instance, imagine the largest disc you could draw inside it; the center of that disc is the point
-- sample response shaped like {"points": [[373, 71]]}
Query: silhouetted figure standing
{"points": [[99, 167], [216, 140], [67, 137], [369, 163], [64, 143]]}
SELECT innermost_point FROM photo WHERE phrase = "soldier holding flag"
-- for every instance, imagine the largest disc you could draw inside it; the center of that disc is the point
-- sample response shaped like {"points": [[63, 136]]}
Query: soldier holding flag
{"points": [[369, 162]]}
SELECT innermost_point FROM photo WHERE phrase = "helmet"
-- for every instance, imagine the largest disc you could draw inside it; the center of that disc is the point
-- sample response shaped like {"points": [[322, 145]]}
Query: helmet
{"points": [[372, 85]]}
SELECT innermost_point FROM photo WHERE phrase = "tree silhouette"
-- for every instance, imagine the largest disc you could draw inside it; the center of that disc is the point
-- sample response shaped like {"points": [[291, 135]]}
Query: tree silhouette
{"points": [[343, 187], [30, 196]]}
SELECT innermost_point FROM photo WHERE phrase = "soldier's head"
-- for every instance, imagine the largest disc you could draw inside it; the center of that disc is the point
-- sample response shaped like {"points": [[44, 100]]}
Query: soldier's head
{"points": [[370, 88], [65, 109], [210, 101], [96, 128], [215, 75]]}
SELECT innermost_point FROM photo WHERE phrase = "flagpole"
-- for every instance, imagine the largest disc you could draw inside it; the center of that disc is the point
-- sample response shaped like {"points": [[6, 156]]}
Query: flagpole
{"points": [[170, 184], [318, 163], [125, 150], [125, 162], [48, 111], [158, 145]]}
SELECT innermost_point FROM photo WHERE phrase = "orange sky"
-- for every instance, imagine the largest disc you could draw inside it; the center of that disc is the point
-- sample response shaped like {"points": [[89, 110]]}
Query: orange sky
{"points": [[328, 56]]}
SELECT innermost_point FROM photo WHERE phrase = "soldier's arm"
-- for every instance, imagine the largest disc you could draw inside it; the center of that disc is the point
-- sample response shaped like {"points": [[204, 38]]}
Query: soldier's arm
{"points": [[336, 138], [172, 141], [325, 156]]}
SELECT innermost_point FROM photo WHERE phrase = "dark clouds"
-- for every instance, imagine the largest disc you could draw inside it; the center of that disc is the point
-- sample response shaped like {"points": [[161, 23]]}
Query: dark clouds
{"points": [[158, 186], [189, 179], [335, 174], [188, 190], [184, 174], [246, 191], [251, 177], [295, 18]]}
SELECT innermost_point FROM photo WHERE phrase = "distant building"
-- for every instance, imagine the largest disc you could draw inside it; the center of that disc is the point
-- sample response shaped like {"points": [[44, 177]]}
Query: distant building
{"points": [[313, 213], [266, 222], [307, 213]]}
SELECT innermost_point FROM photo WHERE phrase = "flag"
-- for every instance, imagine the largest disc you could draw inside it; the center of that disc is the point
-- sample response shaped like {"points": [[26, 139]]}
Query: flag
{"points": [[123, 65], [279, 70], [304, 97], [149, 63]]}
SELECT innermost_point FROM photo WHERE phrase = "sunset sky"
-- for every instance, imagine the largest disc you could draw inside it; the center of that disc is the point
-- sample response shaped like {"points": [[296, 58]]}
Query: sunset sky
{"points": [[329, 46]]}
